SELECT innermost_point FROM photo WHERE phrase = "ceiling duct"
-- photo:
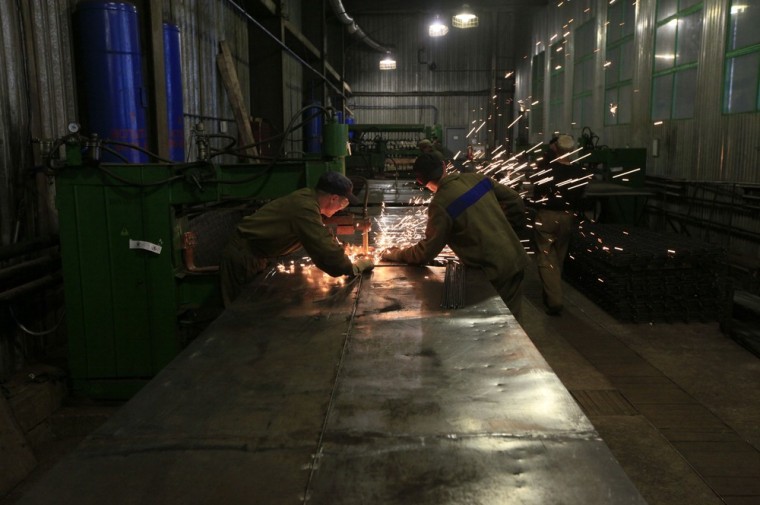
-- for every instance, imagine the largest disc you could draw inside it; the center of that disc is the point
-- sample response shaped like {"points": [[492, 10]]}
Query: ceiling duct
{"points": [[353, 28]]}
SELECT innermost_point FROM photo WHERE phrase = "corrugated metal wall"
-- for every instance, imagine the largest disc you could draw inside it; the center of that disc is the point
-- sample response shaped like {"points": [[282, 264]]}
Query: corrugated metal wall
{"points": [[449, 80], [39, 94], [203, 25], [711, 146], [706, 173], [38, 102]]}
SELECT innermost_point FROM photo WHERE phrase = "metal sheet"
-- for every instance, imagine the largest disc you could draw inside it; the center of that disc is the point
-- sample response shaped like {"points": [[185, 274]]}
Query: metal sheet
{"points": [[314, 390]]}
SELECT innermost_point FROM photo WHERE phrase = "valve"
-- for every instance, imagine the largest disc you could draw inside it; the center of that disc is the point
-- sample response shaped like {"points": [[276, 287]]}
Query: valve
{"points": [[201, 142], [92, 148]]}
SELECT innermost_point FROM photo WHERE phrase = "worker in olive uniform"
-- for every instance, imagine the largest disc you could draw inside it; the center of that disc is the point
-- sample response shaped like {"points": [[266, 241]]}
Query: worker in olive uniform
{"points": [[557, 201], [283, 226], [472, 214]]}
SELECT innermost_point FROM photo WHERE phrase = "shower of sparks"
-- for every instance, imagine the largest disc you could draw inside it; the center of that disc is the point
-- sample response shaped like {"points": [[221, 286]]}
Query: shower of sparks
{"points": [[402, 231]]}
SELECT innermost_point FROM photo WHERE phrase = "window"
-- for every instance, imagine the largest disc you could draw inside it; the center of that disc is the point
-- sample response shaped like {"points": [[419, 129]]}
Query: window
{"points": [[741, 83], [537, 94], [557, 86], [677, 44], [583, 74], [618, 67]]}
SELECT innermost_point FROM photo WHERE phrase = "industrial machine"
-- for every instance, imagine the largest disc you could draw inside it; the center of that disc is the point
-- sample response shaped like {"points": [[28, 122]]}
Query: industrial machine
{"points": [[386, 150], [617, 192], [139, 277]]}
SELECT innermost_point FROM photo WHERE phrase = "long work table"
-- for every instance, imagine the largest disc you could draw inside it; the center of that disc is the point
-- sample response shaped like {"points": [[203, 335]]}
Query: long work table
{"points": [[316, 390]]}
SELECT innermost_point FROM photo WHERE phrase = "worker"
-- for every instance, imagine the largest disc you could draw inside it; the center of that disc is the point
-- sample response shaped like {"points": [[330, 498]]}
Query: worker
{"points": [[426, 147], [283, 226], [475, 216], [556, 203]]}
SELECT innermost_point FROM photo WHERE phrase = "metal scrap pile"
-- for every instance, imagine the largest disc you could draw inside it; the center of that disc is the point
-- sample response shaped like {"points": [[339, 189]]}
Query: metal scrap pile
{"points": [[638, 275]]}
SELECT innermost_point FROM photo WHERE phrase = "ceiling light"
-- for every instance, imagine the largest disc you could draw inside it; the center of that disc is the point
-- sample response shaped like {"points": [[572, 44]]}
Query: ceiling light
{"points": [[465, 18], [437, 28], [388, 62]]}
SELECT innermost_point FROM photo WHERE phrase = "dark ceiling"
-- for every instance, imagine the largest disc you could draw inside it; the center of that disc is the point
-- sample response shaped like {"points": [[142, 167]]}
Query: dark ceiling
{"points": [[367, 7]]}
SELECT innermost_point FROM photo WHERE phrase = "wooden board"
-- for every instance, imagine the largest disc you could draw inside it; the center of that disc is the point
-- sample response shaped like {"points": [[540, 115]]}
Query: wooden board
{"points": [[232, 85]]}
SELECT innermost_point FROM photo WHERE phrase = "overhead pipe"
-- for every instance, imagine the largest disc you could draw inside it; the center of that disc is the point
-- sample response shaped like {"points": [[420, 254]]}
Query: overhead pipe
{"points": [[400, 107], [353, 28]]}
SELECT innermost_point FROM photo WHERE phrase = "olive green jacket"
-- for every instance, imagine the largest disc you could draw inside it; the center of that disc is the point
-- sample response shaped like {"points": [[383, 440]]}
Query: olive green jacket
{"points": [[288, 223], [481, 236]]}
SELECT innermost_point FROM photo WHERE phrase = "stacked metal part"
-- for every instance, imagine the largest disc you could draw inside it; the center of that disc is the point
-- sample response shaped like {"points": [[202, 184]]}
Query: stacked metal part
{"points": [[639, 275]]}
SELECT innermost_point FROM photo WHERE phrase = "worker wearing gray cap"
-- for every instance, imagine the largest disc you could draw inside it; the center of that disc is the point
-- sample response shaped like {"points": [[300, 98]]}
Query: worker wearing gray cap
{"points": [[472, 214], [556, 200], [283, 226]]}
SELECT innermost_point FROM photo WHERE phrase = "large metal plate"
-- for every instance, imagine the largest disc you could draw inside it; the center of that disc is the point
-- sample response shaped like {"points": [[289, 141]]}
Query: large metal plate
{"points": [[311, 391]]}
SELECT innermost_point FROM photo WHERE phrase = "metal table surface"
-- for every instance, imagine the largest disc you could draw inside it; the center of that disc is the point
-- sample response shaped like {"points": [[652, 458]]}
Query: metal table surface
{"points": [[310, 391]]}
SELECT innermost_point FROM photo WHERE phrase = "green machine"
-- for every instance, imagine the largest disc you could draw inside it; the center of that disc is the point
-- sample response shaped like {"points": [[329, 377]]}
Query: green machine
{"points": [[132, 299], [617, 191], [387, 150]]}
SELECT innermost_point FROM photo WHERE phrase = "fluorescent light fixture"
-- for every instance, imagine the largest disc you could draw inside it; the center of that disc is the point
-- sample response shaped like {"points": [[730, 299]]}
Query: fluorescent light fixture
{"points": [[437, 28], [388, 62], [465, 18]]}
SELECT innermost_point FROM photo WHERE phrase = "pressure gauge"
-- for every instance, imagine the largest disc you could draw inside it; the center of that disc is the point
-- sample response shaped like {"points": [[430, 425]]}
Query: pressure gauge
{"points": [[74, 127]]}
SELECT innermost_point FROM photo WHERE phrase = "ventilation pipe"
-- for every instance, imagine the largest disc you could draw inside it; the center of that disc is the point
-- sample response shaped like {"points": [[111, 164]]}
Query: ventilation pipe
{"points": [[353, 28]]}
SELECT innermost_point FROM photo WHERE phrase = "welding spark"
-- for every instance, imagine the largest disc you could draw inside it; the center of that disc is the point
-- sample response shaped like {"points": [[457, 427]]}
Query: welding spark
{"points": [[515, 121], [534, 147], [566, 155], [626, 173]]}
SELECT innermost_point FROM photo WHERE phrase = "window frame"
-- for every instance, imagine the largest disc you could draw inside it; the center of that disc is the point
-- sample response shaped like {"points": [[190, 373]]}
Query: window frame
{"points": [[732, 54], [675, 69], [618, 44]]}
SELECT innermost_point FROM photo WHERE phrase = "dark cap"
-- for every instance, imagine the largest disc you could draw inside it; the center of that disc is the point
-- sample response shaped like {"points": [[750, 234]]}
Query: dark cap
{"points": [[428, 167], [336, 183]]}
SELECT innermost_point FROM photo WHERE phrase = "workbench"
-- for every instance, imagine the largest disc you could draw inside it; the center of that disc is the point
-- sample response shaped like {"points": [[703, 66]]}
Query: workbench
{"points": [[326, 391]]}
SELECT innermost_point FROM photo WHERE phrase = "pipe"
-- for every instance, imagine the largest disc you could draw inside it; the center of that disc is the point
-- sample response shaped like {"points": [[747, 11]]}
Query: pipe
{"points": [[26, 268], [30, 287], [401, 107], [33, 245], [353, 28]]}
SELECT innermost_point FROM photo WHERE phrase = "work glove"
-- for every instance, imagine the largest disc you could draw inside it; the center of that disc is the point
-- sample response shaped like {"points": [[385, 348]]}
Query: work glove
{"points": [[363, 265], [391, 254]]}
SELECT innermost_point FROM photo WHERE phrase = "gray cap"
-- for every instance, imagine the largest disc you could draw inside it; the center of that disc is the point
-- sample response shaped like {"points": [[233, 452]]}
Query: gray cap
{"points": [[336, 183], [565, 143]]}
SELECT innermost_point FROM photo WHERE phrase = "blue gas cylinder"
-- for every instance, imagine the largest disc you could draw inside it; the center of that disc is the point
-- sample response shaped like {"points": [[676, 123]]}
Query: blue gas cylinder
{"points": [[109, 72], [174, 101]]}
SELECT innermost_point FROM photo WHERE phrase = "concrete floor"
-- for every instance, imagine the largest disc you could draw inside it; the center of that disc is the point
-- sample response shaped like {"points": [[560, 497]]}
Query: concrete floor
{"points": [[678, 404]]}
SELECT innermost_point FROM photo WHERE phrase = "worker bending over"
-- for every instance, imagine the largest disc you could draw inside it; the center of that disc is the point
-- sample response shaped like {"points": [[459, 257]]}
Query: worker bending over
{"points": [[472, 214], [283, 226]]}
